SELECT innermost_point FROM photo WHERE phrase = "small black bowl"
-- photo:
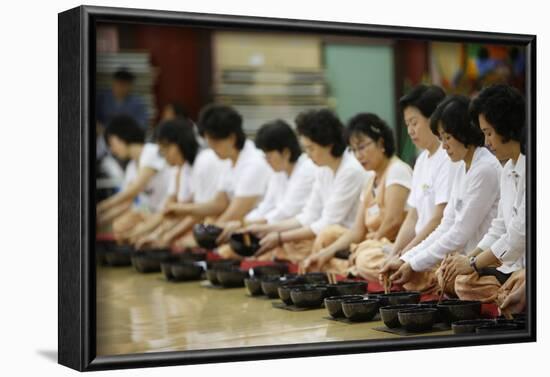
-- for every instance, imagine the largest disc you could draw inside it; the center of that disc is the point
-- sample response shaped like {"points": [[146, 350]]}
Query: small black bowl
{"points": [[285, 288], [343, 288], [213, 267], [315, 277], [520, 323], [497, 327], [186, 271], [212, 276], [206, 235], [253, 286], [399, 298], [334, 304], [276, 269], [458, 310], [418, 319], [270, 285], [231, 277], [119, 256], [433, 304], [308, 297], [236, 241], [360, 310], [149, 261], [166, 269], [388, 314], [469, 326]]}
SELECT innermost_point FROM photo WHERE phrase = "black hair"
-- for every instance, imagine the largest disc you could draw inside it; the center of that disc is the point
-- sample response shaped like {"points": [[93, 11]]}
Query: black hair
{"points": [[220, 122], [179, 132], [276, 136], [374, 127], [504, 108], [423, 97], [452, 115], [324, 128], [125, 128], [123, 74], [179, 109]]}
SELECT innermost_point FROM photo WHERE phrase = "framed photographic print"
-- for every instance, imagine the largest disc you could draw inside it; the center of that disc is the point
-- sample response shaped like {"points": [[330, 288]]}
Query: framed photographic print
{"points": [[242, 188]]}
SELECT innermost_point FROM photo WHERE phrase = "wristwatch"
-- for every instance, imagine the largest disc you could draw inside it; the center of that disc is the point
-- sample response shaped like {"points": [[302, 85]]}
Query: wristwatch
{"points": [[473, 261]]}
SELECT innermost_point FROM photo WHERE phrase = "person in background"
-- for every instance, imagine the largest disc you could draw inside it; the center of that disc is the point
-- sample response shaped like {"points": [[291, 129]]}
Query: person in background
{"points": [[192, 176], [176, 110], [242, 184], [145, 181], [289, 186], [336, 188], [472, 205], [381, 209], [173, 110], [499, 111], [120, 100]]}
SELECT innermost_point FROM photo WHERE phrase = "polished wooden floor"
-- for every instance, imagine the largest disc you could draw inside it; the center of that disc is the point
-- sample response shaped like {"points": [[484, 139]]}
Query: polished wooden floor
{"points": [[139, 313]]}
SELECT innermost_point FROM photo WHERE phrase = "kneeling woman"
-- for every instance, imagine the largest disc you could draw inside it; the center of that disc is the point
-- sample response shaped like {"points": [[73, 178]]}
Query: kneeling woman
{"points": [[472, 205], [382, 208], [499, 111], [191, 182], [336, 189], [145, 180]]}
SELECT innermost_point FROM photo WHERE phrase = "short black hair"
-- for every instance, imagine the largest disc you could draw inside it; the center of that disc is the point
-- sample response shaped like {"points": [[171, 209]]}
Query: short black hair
{"points": [[453, 116], [124, 74], [276, 136], [125, 128], [423, 97], [179, 109], [179, 132], [374, 127], [220, 122], [504, 108], [324, 128]]}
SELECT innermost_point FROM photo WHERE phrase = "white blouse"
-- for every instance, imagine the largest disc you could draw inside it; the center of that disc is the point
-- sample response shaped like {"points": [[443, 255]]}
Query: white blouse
{"points": [[334, 197], [432, 181], [153, 196], [471, 208], [506, 237], [286, 196], [198, 182], [248, 176]]}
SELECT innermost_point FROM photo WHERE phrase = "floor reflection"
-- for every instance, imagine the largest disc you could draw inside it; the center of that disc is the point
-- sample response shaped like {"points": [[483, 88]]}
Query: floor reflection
{"points": [[139, 313]]}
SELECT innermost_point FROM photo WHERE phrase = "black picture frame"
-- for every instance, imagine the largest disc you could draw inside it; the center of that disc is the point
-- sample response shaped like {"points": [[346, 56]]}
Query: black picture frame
{"points": [[76, 259]]}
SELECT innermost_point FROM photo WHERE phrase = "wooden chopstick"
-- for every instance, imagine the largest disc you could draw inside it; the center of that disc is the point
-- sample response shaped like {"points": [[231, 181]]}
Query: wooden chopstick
{"points": [[442, 292], [246, 238], [387, 285]]}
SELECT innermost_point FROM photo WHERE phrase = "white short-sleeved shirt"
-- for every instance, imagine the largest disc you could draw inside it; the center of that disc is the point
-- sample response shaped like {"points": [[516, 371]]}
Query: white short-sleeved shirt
{"points": [[506, 236], [431, 184], [198, 182], [471, 208], [334, 197], [286, 196], [248, 176], [153, 196]]}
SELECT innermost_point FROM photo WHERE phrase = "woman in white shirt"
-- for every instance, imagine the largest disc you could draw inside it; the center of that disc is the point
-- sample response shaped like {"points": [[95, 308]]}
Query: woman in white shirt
{"points": [[243, 182], [192, 174], [145, 182], [431, 181], [474, 197], [288, 188], [381, 209], [338, 181], [499, 111]]}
